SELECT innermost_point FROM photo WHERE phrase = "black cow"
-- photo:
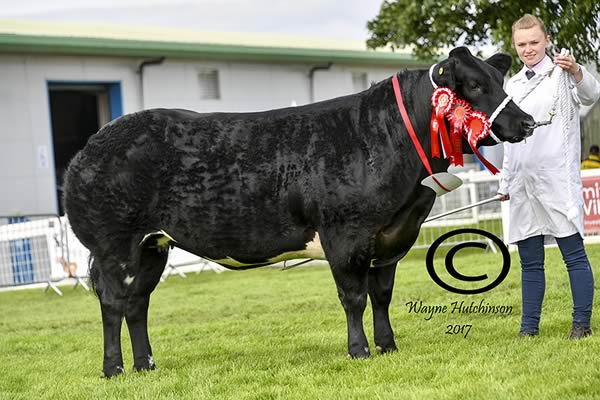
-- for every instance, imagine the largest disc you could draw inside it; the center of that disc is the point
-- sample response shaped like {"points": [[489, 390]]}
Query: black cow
{"points": [[249, 189]]}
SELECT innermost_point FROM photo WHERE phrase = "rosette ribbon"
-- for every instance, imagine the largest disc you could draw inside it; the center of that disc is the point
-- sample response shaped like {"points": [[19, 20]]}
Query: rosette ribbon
{"points": [[459, 117], [441, 100], [478, 127]]}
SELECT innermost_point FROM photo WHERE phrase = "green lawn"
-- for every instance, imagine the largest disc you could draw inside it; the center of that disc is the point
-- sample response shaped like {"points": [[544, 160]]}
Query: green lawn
{"points": [[267, 334]]}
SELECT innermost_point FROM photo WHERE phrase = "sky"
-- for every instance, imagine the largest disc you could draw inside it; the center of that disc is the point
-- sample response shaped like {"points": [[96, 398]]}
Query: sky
{"points": [[330, 19]]}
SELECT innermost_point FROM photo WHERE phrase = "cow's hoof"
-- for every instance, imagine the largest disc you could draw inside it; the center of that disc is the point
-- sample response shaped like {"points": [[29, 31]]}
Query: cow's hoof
{"points": [[146, 364], [138, 368], [110, 372], [390, 348], [361, 353]]}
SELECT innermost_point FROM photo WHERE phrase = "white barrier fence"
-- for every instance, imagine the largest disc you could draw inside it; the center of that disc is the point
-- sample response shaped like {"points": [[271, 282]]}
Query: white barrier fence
{"points": [[43, 249], [32, 250], [477, 186]]}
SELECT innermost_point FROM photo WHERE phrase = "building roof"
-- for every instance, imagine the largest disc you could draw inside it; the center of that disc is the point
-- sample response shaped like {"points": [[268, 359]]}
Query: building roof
{"points": [[26, 37]]}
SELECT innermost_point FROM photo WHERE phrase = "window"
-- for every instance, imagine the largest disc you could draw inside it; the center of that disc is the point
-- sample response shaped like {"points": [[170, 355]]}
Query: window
{"points": [[359, 81], [209, 84]]}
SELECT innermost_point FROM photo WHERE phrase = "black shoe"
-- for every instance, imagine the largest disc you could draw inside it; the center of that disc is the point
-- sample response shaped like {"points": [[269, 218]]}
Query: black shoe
{"points": [[579, 332], [528, 333]]}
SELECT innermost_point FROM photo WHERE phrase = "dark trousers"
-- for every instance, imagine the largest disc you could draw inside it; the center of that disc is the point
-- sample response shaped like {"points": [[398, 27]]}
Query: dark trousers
{"points": [[531, 251]]}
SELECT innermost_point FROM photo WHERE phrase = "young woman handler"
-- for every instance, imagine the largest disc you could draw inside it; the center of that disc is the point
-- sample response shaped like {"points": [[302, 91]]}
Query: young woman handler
{"points": [[541, 176]]}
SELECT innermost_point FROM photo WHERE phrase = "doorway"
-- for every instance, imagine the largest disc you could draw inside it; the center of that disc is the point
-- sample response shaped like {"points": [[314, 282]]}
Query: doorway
{"points": [[77, 111]]}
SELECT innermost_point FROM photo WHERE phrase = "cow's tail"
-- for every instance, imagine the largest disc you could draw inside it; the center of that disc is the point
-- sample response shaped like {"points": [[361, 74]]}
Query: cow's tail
{"points": [[93, 273]]}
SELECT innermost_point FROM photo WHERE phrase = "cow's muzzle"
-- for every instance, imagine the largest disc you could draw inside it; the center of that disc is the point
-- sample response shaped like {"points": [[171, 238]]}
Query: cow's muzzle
{"points": [[528, 125], [526, 128]]}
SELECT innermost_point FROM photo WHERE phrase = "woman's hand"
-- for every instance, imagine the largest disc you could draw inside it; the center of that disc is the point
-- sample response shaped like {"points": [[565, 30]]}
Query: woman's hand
{"points": [[504, 197], [569, 64]]}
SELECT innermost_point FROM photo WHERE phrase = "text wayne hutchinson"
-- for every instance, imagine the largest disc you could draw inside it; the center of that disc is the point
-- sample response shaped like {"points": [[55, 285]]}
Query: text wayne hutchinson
{"points": [[417, 307]]}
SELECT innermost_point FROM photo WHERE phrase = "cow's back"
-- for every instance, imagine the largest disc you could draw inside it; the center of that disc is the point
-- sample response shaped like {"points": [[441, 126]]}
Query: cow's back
{"points": [[230, 177]]}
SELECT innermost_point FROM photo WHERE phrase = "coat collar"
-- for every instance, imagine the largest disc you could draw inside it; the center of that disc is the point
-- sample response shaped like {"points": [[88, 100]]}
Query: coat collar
{"points": [[540, 68]]}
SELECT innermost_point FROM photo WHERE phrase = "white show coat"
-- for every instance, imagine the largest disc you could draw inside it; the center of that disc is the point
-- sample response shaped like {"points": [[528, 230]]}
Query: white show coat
{"points": [[542, 174]]}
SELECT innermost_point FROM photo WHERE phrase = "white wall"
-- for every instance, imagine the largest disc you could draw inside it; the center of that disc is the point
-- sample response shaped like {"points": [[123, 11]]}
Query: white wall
{"points": [[243, 87], [27, 177], [246, 86], [27, 181]]}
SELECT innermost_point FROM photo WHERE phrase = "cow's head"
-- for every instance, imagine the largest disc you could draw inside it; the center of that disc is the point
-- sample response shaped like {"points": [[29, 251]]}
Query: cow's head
{"points": [[480, 83]]}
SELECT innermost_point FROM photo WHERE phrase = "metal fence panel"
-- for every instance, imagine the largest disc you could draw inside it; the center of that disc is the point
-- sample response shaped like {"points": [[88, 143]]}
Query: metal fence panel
{"points": [[31, 248], [29, 261]]}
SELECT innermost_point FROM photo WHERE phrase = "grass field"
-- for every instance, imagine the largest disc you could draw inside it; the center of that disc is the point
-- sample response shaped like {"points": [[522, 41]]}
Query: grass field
{"points": [[267, 334]]}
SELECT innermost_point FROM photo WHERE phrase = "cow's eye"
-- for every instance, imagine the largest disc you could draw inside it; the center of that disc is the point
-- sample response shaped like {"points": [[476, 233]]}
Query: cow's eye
{"points": [[474, 85]]}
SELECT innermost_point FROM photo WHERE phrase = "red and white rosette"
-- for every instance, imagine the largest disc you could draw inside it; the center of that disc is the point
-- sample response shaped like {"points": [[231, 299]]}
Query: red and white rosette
{"points": [[442, 99], [458, 117], [478, 127], [464, 121]]}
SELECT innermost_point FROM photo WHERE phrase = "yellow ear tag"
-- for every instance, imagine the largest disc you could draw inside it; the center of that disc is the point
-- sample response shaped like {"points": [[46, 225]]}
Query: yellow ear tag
{"points": [[441, 71], [162, 243]]}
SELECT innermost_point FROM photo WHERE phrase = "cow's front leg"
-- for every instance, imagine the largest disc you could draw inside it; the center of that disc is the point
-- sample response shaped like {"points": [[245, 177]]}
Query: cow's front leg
{"points": [[381, 285], [351, 281]]}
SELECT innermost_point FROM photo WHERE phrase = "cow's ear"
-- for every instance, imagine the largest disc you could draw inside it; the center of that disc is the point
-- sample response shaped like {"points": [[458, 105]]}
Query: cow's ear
{"points": [[461, 51], [501, 62], [443, 73]]}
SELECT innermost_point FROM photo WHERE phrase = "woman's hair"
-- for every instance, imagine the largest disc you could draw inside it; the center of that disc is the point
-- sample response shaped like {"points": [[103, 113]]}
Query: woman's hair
{"points": [[529, 21]]}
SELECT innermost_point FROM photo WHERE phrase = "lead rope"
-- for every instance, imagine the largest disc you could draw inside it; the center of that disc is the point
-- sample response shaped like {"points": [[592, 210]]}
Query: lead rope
{"points": [[567, 112], [538, 78]]}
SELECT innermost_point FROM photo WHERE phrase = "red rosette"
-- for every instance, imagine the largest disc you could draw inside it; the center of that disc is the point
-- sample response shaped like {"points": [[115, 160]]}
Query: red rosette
{"points": [[459, 114], [477, 128], [442, 99]]}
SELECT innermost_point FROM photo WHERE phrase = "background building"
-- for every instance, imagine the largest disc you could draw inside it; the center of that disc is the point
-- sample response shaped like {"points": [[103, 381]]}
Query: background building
{"points": [[59, 83]]}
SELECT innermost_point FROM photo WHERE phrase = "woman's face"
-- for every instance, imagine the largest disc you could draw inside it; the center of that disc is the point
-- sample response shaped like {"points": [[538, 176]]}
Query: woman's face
{"points": [[530, 44]]}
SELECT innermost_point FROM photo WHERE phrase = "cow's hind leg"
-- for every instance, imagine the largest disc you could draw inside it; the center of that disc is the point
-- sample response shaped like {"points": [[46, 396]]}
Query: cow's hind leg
{"points": [[350, 275], [152, 264], [111, 294], [381, 285]]}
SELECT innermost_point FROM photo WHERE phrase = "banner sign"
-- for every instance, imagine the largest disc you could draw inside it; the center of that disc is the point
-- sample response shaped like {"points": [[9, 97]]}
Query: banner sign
{"points": [[591, 205]]}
